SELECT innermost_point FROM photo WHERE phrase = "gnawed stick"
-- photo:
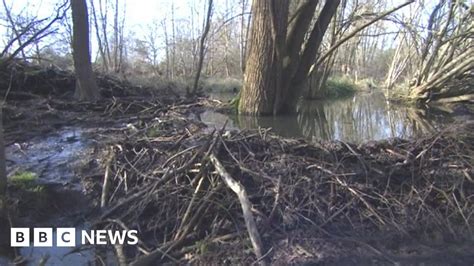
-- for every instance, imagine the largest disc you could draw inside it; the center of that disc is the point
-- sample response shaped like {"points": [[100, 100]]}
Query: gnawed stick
{"points": [[246, 207], [122, 260], [106, 185]]}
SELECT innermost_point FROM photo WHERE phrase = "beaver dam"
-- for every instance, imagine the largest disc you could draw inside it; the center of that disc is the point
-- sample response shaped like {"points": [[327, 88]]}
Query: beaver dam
{"points": [[140, 159]]}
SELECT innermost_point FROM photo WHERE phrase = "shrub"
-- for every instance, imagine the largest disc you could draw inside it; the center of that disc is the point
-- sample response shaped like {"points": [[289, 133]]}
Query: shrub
{"points": [[337, 87], [221, 85]]}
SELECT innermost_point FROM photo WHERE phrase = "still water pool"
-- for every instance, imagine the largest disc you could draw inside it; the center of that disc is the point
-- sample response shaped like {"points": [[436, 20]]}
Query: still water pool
{"points": [[365, 116]]}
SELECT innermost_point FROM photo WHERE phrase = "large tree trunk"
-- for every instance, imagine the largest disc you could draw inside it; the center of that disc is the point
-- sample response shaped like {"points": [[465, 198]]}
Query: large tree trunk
{"points": [[260, 78], [86, 86], [276, 67], [279, 65]]}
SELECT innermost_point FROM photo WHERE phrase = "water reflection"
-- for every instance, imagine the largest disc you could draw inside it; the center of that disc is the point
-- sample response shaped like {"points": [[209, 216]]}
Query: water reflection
{"points": [[367, 116]]}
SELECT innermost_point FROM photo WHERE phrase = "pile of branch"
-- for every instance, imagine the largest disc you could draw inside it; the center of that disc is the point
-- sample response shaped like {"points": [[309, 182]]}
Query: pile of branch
{"points": [[21, 80], [187, 192], [41, 99]]}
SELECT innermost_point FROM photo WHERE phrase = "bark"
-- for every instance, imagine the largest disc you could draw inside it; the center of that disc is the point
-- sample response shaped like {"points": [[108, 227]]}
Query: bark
{"points": [[314, 42], [242, 39], [86, 86], [297, 75], [258, 93], [3, 169], [296, 34], [279, 13]]}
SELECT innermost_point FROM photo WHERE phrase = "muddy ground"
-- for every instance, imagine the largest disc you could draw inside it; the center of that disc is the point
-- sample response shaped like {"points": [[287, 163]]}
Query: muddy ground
{"points": [[404, 202]]}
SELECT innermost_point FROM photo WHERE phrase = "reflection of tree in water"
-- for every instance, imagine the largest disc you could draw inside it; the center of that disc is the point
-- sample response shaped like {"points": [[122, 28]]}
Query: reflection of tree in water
{"points": [[283, 125], [312, 120], [362, 117]]}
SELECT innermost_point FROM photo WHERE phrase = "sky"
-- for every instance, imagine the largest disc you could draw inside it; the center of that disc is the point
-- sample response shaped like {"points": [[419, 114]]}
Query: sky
{"points": [[138, 12], [141, 13]]}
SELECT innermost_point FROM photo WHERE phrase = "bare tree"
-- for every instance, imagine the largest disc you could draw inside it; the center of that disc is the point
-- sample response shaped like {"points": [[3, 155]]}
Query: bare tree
{"points": [[167, 48], [31, 33], [202, 46], [173, 41], [86, 86], [3, 169], [447, 54], [100, 42]]}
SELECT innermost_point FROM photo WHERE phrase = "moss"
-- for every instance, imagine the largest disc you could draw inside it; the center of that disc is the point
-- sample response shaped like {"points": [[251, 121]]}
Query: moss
{"points": [[234, 103], [23, 179], [27, 181]]}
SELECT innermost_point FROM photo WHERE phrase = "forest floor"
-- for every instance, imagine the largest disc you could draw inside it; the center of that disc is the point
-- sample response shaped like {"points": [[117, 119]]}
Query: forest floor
{"points": [[388, 202]]}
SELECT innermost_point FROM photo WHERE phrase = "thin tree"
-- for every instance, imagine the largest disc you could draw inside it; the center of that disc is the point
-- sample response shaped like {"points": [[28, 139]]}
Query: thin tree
{"points": [[86, 86], [202, 46], [105, 61], [3, 169]]}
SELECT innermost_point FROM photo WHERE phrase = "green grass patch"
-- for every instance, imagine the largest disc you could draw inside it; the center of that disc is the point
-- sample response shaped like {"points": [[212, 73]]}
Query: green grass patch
{"points": [[26, 181], [337, 87], [23, 179]]}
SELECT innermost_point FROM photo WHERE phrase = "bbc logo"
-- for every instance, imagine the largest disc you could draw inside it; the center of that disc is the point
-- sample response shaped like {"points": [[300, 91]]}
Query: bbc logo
{"points": [[42, 237], [66, 237]]}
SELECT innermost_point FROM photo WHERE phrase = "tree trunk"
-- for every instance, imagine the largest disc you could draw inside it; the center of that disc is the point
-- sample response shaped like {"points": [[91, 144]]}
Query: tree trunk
{"points": [[259, 90], [103, 16], [86, 86], [99, 39], [3, 169], [202, 46], [173, 37], [279, 65]]}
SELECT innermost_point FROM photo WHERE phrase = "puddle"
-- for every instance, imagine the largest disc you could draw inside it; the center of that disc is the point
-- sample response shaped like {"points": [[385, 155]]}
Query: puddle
{"points": [[53, 159], [57, 255]]}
